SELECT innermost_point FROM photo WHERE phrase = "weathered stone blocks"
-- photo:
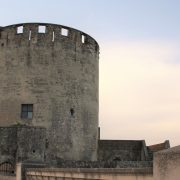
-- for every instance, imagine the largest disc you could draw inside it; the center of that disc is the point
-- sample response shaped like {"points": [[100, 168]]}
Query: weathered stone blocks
{"points": [[57, 73]]}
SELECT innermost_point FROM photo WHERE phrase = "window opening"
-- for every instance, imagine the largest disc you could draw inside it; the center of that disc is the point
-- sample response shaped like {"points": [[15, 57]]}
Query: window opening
{"points": [[53, 36], [64, 32], [29, 35], [42, 29], [27, 111], [72, 112], [20, 30], [83, 38]]}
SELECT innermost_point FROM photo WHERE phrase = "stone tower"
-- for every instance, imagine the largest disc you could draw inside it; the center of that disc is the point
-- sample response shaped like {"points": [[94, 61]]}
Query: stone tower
{"points": [[49, 82]]}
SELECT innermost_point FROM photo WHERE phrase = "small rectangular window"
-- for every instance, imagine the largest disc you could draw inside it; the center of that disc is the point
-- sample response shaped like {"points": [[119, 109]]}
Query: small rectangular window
{"points": [[20, 30], [27, 111], [42, 29], [64, 32]]}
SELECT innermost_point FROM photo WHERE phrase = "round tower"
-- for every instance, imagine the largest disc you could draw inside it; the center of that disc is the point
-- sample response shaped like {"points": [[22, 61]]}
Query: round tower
{"points": [[49, 79]]}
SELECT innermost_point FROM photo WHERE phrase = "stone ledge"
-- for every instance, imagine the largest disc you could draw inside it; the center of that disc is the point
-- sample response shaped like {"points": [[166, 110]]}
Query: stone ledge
{"points": [[93, 170]]}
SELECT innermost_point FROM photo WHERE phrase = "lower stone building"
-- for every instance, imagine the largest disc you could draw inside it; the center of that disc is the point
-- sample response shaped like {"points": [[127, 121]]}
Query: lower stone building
{"points": [[28, 146]]}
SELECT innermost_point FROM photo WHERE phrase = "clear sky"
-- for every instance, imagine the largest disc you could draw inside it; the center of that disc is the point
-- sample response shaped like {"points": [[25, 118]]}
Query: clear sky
{"points": [[139, 59]]}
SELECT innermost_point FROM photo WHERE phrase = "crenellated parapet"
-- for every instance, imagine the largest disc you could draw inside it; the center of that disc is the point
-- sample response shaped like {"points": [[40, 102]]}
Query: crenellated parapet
{"points": [[44, 34]]}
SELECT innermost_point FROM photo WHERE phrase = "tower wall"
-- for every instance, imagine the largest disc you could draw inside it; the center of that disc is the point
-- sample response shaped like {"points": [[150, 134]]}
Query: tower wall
{"points": [[58, 74]]}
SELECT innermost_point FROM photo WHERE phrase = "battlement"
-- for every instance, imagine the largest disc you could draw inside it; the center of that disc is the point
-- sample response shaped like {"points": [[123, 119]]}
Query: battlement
{"points": [[44, 34]]}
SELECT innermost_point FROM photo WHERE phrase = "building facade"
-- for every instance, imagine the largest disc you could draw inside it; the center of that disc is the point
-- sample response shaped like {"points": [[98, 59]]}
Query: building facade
{"points": [[49, 91], [49, 106]]}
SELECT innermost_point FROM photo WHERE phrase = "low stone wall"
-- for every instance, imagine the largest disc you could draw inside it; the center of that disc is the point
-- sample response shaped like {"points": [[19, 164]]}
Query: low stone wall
{"points": [[91, 174], [122, 150], [7, 177], [103, 164], [109, 170], [166, 166]]}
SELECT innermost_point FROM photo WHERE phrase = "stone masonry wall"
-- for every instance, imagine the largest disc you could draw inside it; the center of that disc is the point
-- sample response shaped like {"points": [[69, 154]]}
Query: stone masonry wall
{"points": [[122, 150], [22, 143], [166, 165], [58, 74]]}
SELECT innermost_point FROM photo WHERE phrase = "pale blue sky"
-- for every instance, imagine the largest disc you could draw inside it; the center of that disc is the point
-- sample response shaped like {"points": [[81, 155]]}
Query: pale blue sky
{"points": [[103, 19], [139, 60]]}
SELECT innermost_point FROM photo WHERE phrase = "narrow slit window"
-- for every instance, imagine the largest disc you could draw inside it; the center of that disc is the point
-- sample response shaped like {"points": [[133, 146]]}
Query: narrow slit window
{"points": [[42, 29], [27, 111], [20, 30], [72, 112], [29, 35], [53, 36], [64, 32], [83, 38]]}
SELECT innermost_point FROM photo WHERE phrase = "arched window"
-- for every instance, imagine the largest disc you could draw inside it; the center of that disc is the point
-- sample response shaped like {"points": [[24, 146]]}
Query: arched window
{"points": [[7, 168]]}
